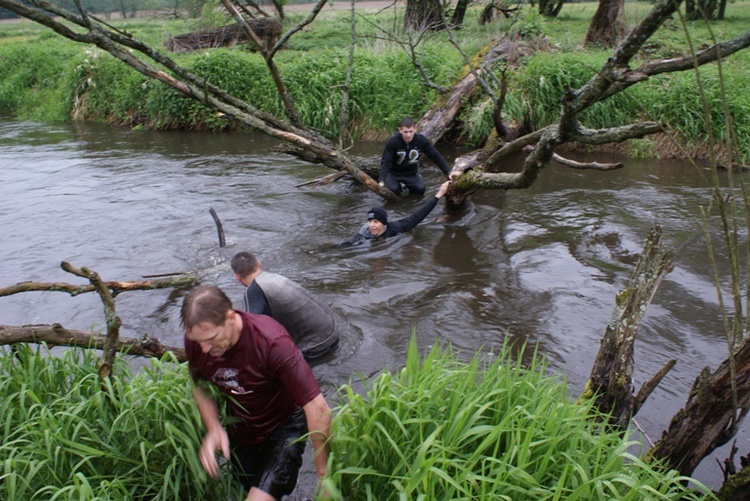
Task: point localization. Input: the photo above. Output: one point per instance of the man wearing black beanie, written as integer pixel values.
(377, 225)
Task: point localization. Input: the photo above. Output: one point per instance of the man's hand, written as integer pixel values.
(454, 174)
(215, 439)
(443, 189)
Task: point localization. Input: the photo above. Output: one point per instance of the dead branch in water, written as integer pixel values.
(57, 335)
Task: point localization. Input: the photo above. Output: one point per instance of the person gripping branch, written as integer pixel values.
(272, 394)
(378, 226)
(401, 156)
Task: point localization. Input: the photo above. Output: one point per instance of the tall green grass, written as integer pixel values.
(64, 437)
(36, 80)
(445, 429)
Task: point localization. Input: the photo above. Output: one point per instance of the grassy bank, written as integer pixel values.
(440, 428)
(64, 437)
(445, 429)
(46, 78)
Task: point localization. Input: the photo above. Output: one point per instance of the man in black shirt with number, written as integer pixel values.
(400, 161)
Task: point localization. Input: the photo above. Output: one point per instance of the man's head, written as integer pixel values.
(377, 219)
(245, 266)
(407, 128)
(209, 320)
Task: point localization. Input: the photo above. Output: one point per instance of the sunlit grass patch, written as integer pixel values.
(446, 429)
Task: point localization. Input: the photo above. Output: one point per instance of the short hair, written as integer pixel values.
(206, 303)
(244, 263)
(407, 122)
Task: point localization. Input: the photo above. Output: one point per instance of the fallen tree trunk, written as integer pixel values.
(441, 115)
(57, 335)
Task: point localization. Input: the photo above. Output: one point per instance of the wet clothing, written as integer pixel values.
(395, 227)
(400, 163)
(311, 323)
(272, 466)
(263, 374)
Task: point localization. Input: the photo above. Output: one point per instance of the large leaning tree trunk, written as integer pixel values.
(607, 27)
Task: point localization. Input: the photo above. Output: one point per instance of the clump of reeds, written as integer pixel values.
(446, 429)
(64, 436)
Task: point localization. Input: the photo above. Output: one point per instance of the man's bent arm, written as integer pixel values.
(216, 437)
(318, 416)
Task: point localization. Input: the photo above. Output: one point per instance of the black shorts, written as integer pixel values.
(273, 465)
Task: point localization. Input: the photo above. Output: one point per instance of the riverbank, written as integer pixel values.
(57, 80)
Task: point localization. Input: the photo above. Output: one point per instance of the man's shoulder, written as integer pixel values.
(266, 279)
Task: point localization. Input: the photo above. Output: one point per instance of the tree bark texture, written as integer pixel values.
(607, 27)
(550, 8)
(709, 418)
(424, 15)
(442, 114)
(611, 379)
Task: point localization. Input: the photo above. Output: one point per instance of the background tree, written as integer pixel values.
(459, 12)
(608, 25)
(424, 14)
(550, 8)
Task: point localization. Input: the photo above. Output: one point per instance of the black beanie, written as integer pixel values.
(378, 213)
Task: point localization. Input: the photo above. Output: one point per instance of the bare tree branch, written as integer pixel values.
(197, 88)
(309, 19)
(585, 165)
(286, 97)
(708, 55)
(650, 385)
(115, 287)
(611, 379)
(109, 348)
(57, 335)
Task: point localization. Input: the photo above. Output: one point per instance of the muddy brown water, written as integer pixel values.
(541, 265)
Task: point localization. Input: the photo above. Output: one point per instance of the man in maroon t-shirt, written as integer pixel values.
(271, 390)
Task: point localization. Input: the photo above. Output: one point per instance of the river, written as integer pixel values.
(541, 265)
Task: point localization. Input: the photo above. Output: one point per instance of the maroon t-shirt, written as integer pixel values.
(264, 375)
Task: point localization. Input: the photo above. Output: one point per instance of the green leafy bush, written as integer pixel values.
(446, 429)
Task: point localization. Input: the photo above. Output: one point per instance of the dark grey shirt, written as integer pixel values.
(310, 323)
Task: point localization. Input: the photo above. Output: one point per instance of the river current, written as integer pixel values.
(541, 265)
